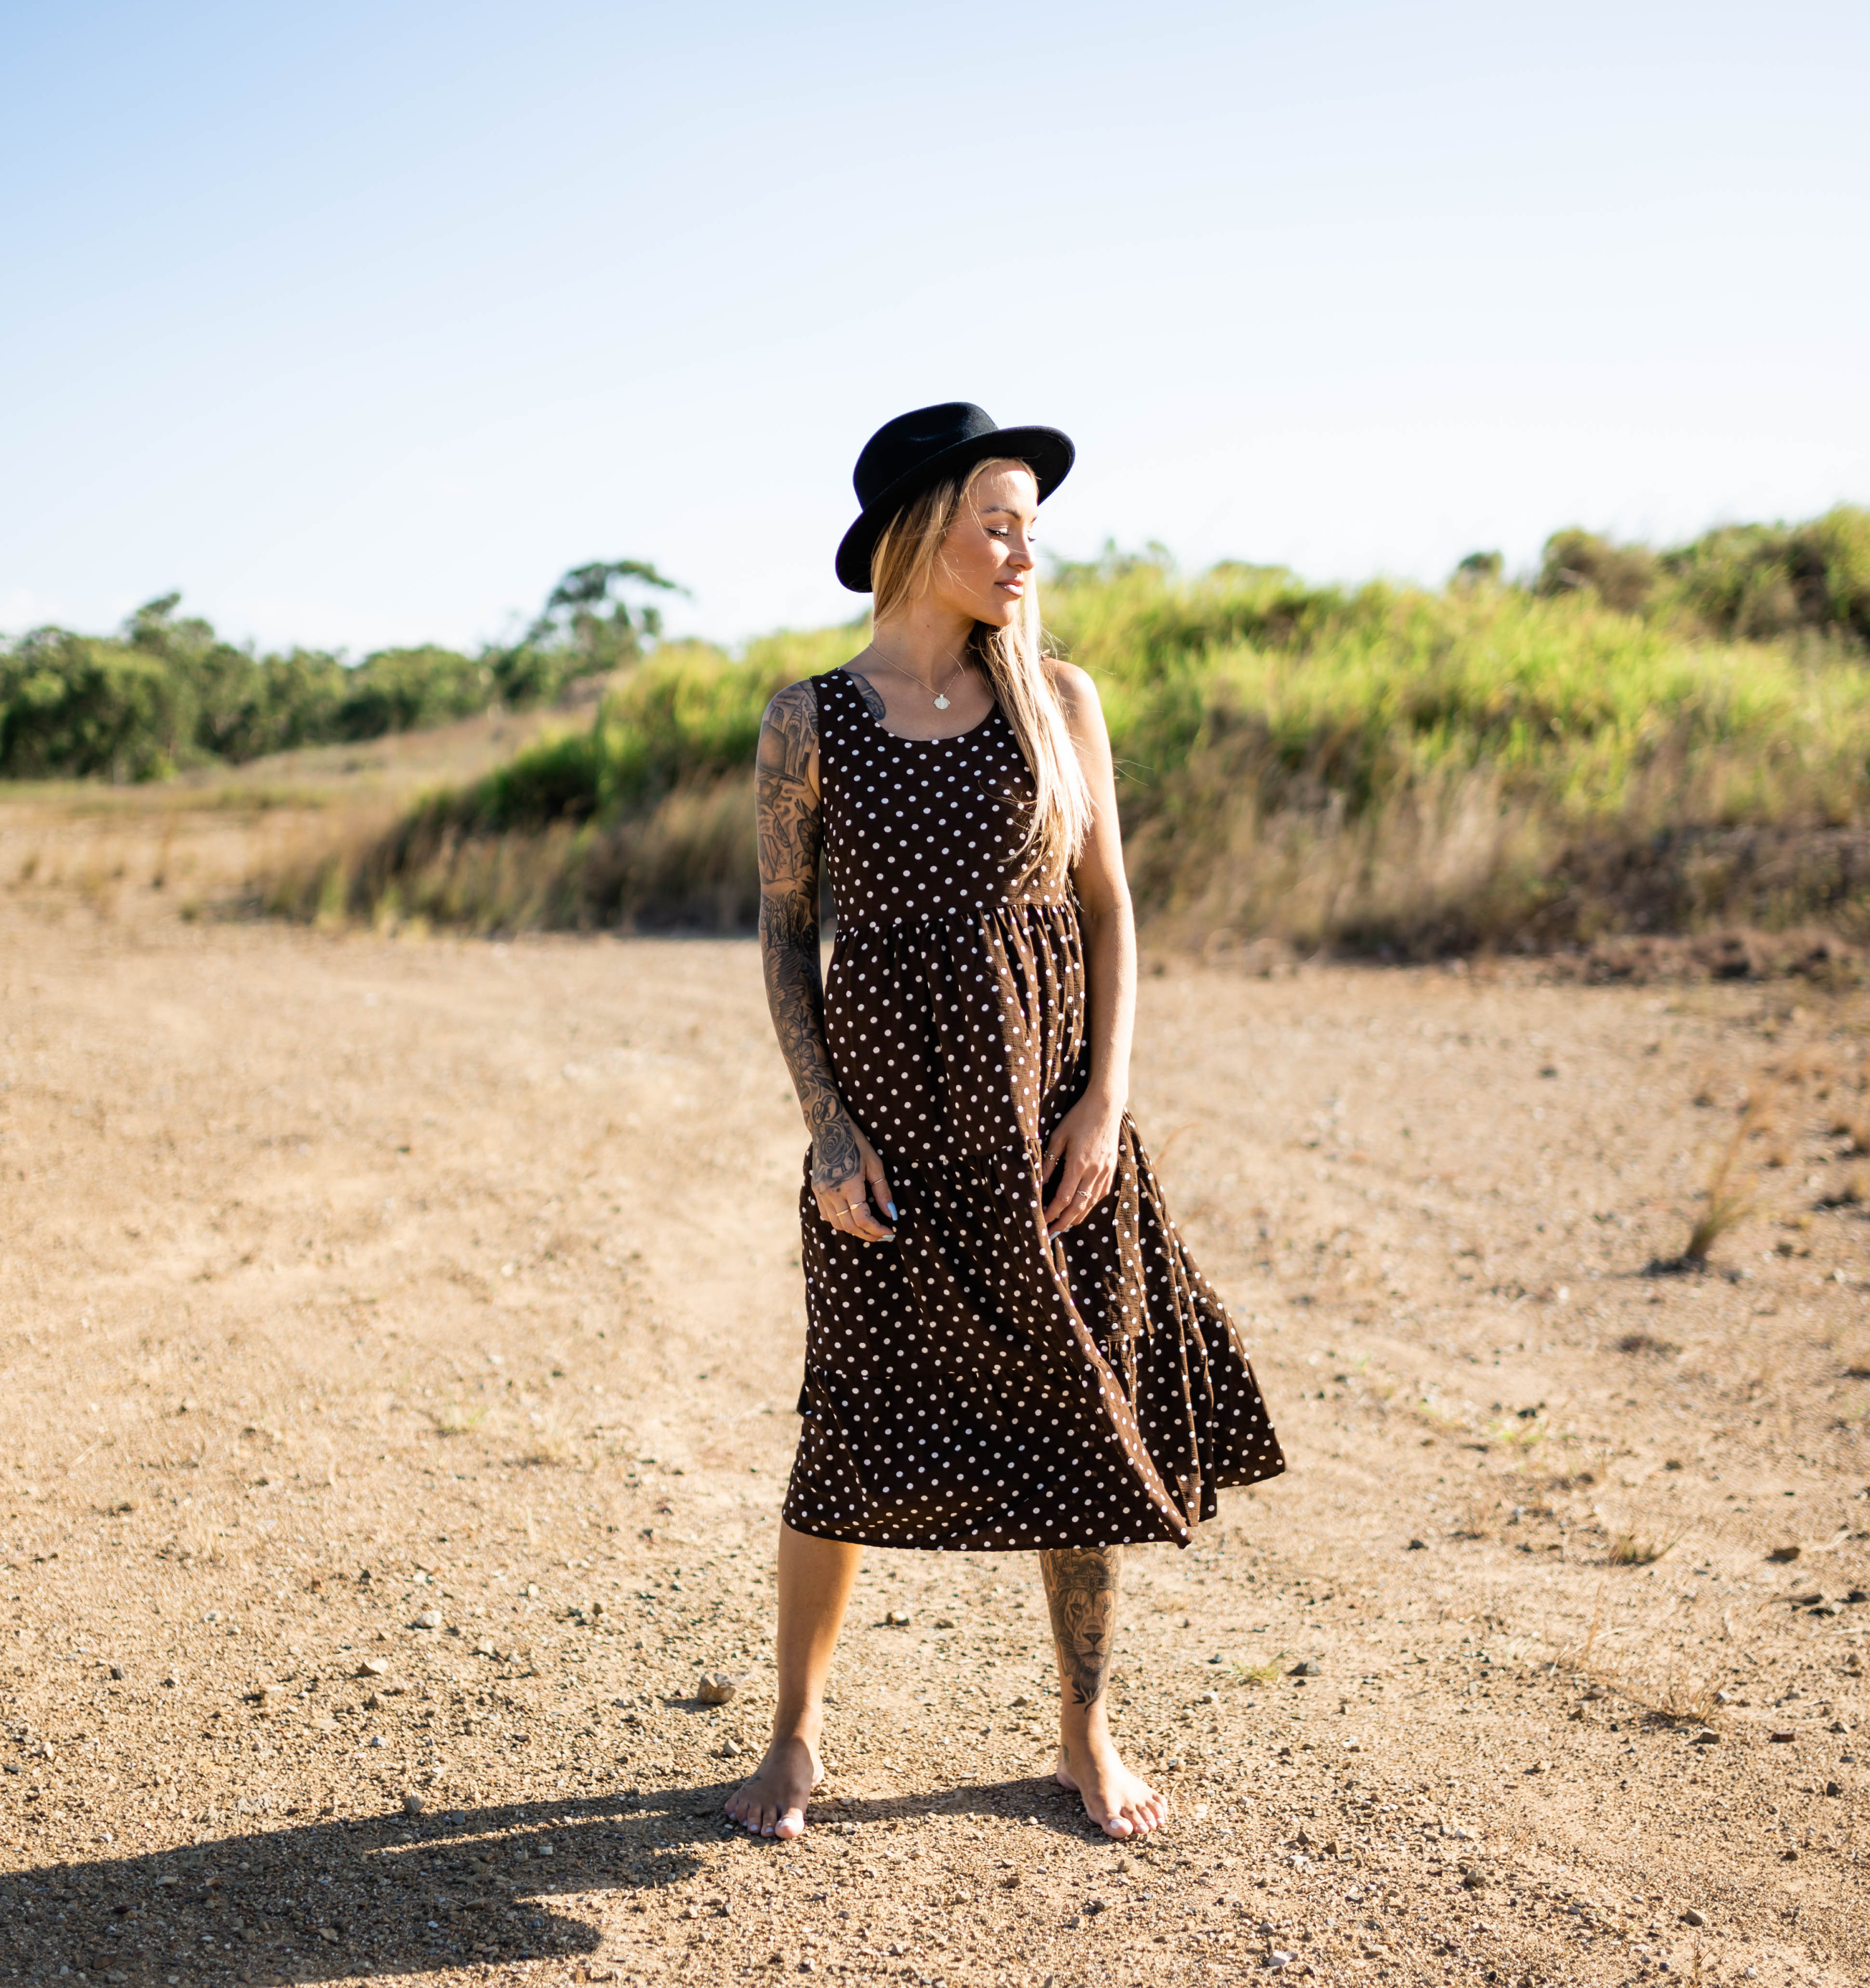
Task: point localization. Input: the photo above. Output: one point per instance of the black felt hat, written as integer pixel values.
(905, 456)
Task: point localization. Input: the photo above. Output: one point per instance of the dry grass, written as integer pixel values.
(1634, 1549)
(1855, 1131)
(688, 862)
(457, 1419)
(1645, 1342)
(1256, 1674)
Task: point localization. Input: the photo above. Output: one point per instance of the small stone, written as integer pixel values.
(377, 1739)
(485, 1648)
(172, 1678)
(1783, 1555)
(1096, 1906)
(1417, 1546)
(716, 1687)
(897, 1618)
(1834, 1788)
(943, 1622)
(412, 1805)
(118, 1671)
(1311, 1666)
(430, 1618)
(324, 1723)
(373, 1667)
(1692, 1918)
(1782, 1739)
(1278, 1958)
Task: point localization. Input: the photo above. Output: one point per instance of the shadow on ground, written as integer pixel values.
(340, 1899)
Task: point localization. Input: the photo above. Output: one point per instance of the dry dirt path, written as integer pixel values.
(349, 1285)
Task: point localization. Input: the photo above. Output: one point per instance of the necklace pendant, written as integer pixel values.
(941, 704)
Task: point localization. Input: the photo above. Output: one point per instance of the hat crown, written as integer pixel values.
(899, 447)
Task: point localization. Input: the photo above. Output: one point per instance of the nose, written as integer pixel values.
(1019, 552)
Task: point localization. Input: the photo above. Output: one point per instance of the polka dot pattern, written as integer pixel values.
(970, 1385)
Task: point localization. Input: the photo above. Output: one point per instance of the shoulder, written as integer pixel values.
(796, 706)
(1077, 692)
(789, 735)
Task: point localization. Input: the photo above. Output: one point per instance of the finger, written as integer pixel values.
(878, 1182)
(1096, 1184)
(863, 1217)
(1068, 1186)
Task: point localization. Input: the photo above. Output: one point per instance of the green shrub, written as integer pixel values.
(1760, 581)
(408, 689)
(1387, 768)
(1622, 576)
(168, 692)
(72, 705)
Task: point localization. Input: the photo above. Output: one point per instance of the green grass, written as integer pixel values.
(1396, 770)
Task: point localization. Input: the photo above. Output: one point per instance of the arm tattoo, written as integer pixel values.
(1081, 1589)
(872, 701)
(786, 804)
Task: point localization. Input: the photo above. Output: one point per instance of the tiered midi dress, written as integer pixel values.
(969, 1384)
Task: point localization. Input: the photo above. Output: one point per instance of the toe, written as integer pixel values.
(791, 1824)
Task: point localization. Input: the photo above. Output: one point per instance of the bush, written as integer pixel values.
(1386, 768)
(1622, 576)
(1758, 581)
(408, 689)
(168, 692)
(72, 705)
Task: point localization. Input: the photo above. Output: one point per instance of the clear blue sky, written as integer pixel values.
(359, 323)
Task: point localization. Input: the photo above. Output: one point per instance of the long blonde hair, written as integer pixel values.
(1017, 659)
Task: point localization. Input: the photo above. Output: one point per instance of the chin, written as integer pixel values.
(999, 612)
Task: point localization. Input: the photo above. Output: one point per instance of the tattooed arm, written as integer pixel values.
(786, 802)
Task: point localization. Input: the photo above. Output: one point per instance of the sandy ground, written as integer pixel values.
(399, 1339)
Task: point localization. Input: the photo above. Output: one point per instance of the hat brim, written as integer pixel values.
(1045, 451)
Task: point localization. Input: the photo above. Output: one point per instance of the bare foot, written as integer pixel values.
(1121, 1803)
(771, 1800)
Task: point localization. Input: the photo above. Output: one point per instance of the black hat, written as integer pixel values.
(905, 456)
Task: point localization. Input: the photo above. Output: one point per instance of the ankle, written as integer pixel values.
(1085, 1729)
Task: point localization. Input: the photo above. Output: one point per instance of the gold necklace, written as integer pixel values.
(939, 696)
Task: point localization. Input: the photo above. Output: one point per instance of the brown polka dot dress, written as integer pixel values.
(969, 1385)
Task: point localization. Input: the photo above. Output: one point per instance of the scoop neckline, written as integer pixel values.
(903, 738)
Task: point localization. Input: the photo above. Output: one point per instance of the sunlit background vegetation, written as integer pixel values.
(1628, 741)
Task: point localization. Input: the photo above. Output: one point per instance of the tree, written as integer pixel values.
(588, 625)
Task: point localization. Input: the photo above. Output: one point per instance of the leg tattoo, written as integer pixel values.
(1081, 1589)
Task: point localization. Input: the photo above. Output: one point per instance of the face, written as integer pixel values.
(987, 559)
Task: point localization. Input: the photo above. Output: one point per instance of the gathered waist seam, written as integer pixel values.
(948, 917)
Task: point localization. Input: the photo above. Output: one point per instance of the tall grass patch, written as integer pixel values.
(1388, 769)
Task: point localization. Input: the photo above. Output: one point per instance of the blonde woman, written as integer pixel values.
(1009, 1350)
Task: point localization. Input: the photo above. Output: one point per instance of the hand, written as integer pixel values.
(1085, 1142)
(848, 1181)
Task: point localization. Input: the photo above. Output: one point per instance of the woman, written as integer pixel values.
(1008, 1348)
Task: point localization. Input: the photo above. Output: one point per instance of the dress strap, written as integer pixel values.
(833, 693)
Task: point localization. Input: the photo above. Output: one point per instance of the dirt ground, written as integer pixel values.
(399, 1337)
